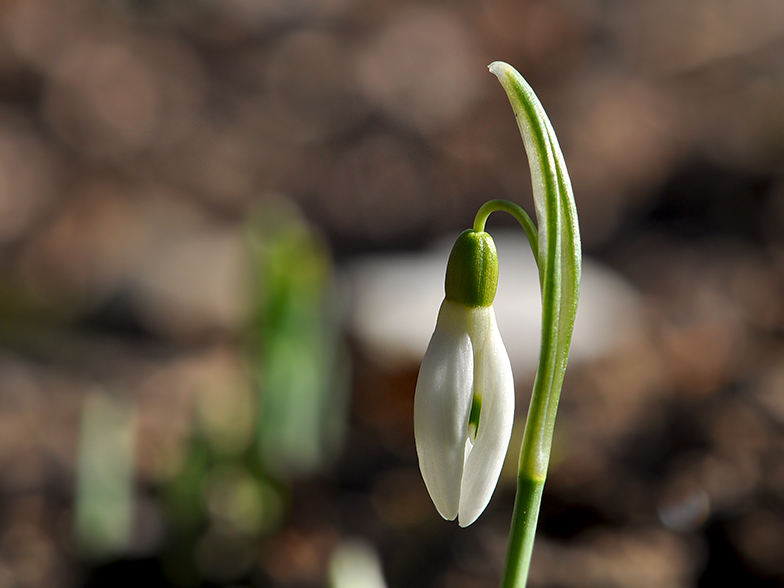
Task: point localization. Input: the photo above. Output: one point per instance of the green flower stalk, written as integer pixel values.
(451, 410)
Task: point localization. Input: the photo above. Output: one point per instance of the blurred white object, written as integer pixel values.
(355, 564)
(396, 300)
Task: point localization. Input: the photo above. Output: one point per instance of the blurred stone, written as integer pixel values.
(396, 301)
(256, 14)
(699, 322)
(482, 157)
(299, 557)
(191, 283)
(757, 139)
(542, 33)
(760, 536)
(219, 163)
(29, 555)
(701, 356)
(646, 558)
(23, 419)
(39, 416)
(769, 391)
(374, 191)
(774, 474)
(104, 98)
(749, 138)
(40, 30)
(115, 99)
(753, 287)
(605, 410)
(30, 175)
(412, 68)
(729, 480)
(310, 94)
(683, 505)
(81, 256)
(739, 437)
(400, 498)
(738, 430)
(671, 36)
(183, 272)
(620, 137)
(90, 249)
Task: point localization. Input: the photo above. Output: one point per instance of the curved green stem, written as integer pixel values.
(516, 211)
(558, 257)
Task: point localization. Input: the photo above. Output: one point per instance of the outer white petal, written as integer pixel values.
(441, 406)
(493, 381)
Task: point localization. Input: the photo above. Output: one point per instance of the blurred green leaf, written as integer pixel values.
(298, 357)
(105, 476)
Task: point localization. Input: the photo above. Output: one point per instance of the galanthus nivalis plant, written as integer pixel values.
(464, 402)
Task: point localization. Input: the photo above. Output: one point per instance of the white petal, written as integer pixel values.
(493, 380)
(441, 407)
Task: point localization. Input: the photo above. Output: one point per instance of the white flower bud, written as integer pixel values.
(463, 411)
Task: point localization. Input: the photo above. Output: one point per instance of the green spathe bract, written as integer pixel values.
(472, 270)
(558, 256)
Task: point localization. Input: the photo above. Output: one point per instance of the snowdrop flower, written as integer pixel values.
(464, 402)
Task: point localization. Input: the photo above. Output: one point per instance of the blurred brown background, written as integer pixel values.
(192, 195)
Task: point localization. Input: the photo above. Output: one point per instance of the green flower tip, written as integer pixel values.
(472, 270)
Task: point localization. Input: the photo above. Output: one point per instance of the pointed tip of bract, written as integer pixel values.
(498, 67)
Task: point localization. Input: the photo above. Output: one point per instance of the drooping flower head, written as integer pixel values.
(464, 402)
